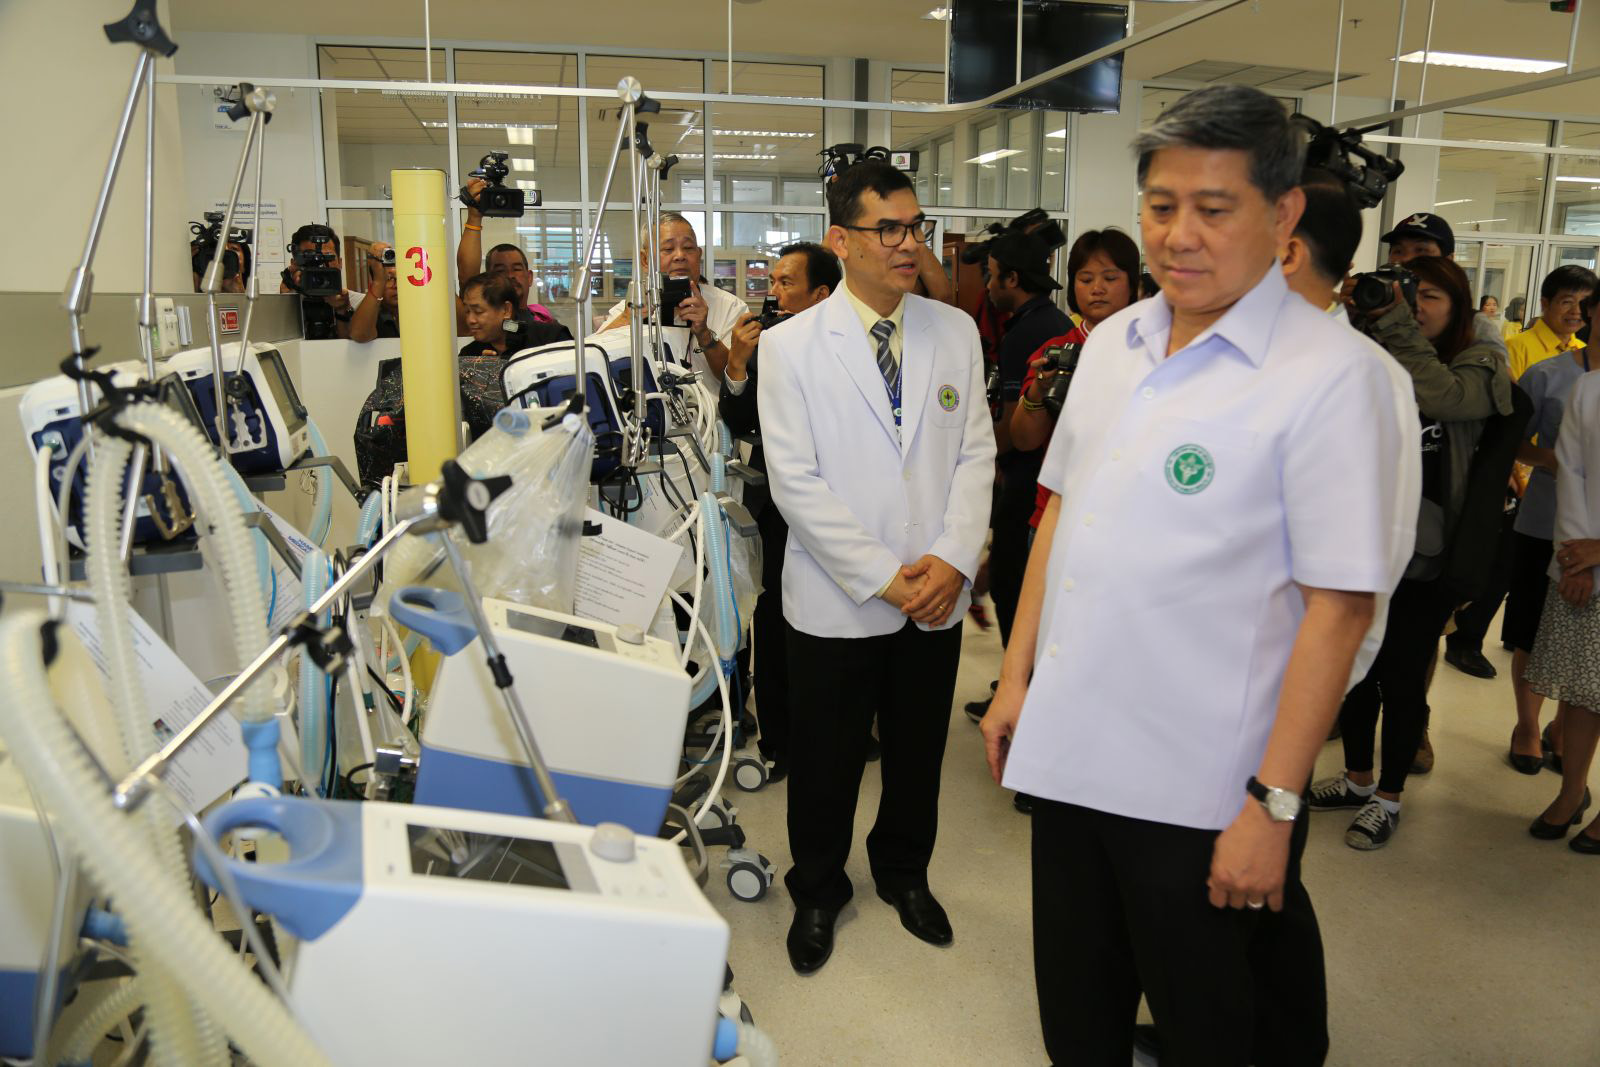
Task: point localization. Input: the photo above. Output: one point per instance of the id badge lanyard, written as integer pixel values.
(894, 396)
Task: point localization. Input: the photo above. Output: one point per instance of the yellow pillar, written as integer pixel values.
(427, 310)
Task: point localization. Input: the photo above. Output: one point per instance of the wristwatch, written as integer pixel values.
(1282, 805)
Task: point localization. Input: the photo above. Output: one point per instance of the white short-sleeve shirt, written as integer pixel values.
(1196, 491)
(723, 311)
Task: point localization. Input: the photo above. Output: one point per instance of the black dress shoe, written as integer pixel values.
(1469, 661)
(811, 939)
(1525, 764)
(1022, 802)
(1589, 846)
(779, 769)
(1549, 831)
(1550, 754)
(921, 914)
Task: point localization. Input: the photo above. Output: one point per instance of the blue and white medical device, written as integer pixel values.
(268, 428)
(608, 706)
(432, 935)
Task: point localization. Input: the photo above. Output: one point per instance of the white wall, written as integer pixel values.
(67, 88)
(211, 156)
(1101, 191)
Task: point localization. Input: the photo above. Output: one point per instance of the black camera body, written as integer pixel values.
(771, 315)
(991, 390)
(495, 201)
(207, 236)
(1063, 359)
(1330, 150)
(317, 278)
(1375, 289)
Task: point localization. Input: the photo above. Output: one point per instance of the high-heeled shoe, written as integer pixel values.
(1589, 846)
(1521, 763)
(1550, 754)
(1549, 831)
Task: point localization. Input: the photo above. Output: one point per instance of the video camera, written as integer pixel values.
(1037, 221)
(1375, 288)
(1330, 150)
(317, 276)
(1063, 359)
(495, 201)
(836, 159)
(388, 257)
(203, 245)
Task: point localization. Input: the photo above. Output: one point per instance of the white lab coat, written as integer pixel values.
(860, 499)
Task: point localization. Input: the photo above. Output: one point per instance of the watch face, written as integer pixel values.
(1282, 805)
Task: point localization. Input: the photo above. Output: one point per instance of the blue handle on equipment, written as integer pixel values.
(321, 881)
(440, 615)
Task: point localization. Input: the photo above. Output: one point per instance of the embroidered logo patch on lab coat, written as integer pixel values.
(1190, 469)
(949, 399)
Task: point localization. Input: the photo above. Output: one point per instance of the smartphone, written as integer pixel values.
(674, 291)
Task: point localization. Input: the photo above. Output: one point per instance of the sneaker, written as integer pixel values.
(977, 709)
(1332, 793)
(1423, 763)
(1372, 827)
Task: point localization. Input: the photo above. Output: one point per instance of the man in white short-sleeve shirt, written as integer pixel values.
(699, 332)
(1198, 589)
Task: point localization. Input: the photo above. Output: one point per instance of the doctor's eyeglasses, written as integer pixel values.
(893, 233)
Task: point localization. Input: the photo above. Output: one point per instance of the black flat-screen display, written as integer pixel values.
(983, 52)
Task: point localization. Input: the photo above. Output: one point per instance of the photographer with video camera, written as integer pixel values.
(1422, 314)
(485, 196)
(803, 277)
(378, 315)
(235, 257)
(316, 273)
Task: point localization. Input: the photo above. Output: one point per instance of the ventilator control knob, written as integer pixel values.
(612, 841)
(629, 634)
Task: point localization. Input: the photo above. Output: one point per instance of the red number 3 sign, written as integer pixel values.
(421, 273)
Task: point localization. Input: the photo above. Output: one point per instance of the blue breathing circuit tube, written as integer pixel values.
(313, 700)
(371, 518)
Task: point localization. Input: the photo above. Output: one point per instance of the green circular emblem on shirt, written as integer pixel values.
(1190, 469)
(949, 399)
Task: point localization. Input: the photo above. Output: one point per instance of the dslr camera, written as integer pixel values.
(1366, 178)
(1063, 359)
(1036, 221)
(770, 314)
(388, 256)
(495, 201)
(1375, 288)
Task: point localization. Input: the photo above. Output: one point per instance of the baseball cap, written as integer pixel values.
(1426, 226)
(1028, 256)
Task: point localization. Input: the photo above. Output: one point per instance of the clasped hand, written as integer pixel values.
(926, 591)
(1578, 558)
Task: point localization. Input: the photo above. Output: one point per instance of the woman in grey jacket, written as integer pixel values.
(1459, 382)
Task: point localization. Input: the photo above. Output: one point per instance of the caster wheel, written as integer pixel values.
(720, 816)
(747, 881)
(749, 774)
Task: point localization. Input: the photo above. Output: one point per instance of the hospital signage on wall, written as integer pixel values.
(228, 320)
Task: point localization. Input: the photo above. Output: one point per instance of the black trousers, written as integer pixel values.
(1120, 908)
(1472, 621)
(1008, 551)
(908, 680)
(771, 638)
(1397, 684)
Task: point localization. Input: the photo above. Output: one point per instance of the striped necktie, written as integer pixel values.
(888, 366)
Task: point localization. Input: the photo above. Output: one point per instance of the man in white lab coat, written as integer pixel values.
(880, 455)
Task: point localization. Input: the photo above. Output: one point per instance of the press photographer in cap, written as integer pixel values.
(1020, 286)
(316, 273)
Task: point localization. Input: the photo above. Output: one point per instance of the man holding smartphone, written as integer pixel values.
(703, 321)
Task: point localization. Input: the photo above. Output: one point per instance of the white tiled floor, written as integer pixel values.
(1463, 942)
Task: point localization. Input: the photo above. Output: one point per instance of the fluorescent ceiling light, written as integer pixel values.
(439, 124)
(1062, 132)
(726, 155)
(523, 183)
(1479, 222)
(1464, 59)
(938, 14)
(999, 153)
(524, 164)
(752, 133)
(1447, 203)
(1578, 178)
